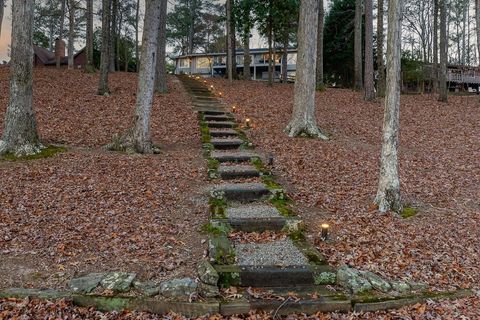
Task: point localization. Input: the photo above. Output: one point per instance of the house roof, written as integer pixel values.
(239, 51)
(48, 57)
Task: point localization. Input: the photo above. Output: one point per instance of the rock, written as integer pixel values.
(400, 286)
(118, 281)
(325, 278)
(147, 288)
(352, 280)
(207, 273)
(208, 291)
(417, 286)
(377, 282)
(178, 288)
(87, 283)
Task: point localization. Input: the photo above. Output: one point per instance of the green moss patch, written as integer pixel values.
(218, 208)
(408, 212)
(47, 152)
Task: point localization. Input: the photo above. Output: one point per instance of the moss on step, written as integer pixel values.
(408, 212)
(46, 152)
(217, 228)
(218, 208)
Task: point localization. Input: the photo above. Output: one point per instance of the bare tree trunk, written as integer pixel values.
(270, 45)
(117, 39)
(477, 21)
(89, 47)
(105, 55)
(247, 59)
(230, 63)
(285, 58)
(71, 32)
(358, 85)
(191, 28)
(2, 6)
(388, 193)
(137, 18)
(369, 82)
(138, 138)
(303, 122)
(443, 94)
(161, 77)
(319, 68)
(380, 62)
(435, 47)
(113, 35)
(62, 25)
(20, 136)
(232, 39)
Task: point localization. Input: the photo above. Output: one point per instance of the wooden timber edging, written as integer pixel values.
(230, 307)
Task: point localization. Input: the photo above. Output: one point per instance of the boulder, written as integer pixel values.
(352, 280)
(377, 282)
(178, 288)
(86, 284)
(207, 273)
(208, 291)
(118, 281)
(147, 288)
(400, 286)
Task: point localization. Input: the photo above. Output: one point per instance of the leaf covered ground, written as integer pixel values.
(89, 210)
(336, 181)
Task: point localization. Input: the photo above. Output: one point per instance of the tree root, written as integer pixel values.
(126, 142)
(23, 150)
(308, 129)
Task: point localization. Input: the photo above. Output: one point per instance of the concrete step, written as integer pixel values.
(233, 156)
(238, 171)
(256, 218)
(242, 191)
(226, 143)
(223, 133)
(221, 124)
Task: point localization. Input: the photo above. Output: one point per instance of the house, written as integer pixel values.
(213, 64)
(47, 58)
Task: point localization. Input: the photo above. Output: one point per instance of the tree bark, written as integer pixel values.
(270, 45)
(303, 122)
(89, 46)
(230, 63)
(71, 32)
(435, 47)
(62, 24)
(161, 77)
(20, 136)
(388, 194)
(247, 59)
(285, 58)
(191, 27)
(443, 90)
(319, 68)
(137, 53)
(477, 21)
(358, 85)
(2, 7)
(138, 138)
(380, 62)
(113, 35)
(105, 55)
(369, 82)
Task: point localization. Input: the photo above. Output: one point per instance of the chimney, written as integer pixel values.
(59, 48)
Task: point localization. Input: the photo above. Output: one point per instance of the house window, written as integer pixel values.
(220, 61)
(184, 63)
(240, 60)
(203, 63)
(292, 58)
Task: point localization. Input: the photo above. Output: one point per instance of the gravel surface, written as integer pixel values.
(282, 253)
(253, 211)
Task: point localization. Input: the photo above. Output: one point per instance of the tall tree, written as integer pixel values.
(368, 78)
(71, 32)
(2, 7)
(161, 74)
(244, 24)
(388, 193)
(303, 121)
(137, 31)
(443, 90)
(62, 26)
(380, 62)
(20, 132)
(89, 46)
(358, 85)
(477, 22)
(113, 35)
(230, 34)
(319, 68)
(138, 138)
(105, 51)
(435, 48)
